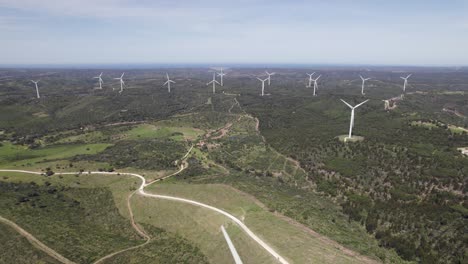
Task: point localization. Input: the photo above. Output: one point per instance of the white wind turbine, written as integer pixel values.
(363, 82)
(406, 81)
(310, 79)
(37, 89)
(214, 82)
(315, 84)
(100, 80)
(221, 74)
(351, 124)
(263, 85)
(122, 83)
(269, 77)
(168, 82)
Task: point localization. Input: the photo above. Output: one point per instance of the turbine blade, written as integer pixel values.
(409, 76)
(361, 103)
(346, 103)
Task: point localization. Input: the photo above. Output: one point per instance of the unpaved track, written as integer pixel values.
(142, 192)
(35, 242)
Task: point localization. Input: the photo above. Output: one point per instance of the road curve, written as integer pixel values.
(142, 192)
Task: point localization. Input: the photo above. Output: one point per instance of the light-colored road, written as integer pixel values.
(35, 242)
(142, 192)
(231, 246)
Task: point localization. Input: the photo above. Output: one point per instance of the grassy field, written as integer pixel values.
(200, 226)
(160, 130)
(103, 229)
(17, 249)
(81, 224)
(291, 241)
(20, 156)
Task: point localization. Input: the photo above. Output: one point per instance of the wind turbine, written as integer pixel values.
(100, 80)
(269, 77)
(351, 124)
(122, 83)
(169, 81)
(263, 85)
(406, 81)
(37, 89)
(310, 79)
(315, 84)
(221, 74)
(363, 82)
(214, 82)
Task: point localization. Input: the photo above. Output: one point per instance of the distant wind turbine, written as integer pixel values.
(168, 82)
(310, 79)
(269, 77)
(122, 83)
(214, 82)
(351, 124)
(363, 82)
(100, 80)
(315, 84)
(406, 82)
(221, 74)
(37, 89)
(263, 85)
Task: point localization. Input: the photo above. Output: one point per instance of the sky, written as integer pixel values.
(379, 32)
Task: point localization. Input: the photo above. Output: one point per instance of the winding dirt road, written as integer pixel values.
(142, 192)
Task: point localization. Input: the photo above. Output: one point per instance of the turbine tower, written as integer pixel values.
(351, 124)
(221, 74)
(310, 79)
(263, 85)
(214, 82)
(169, 81)
(363, 82)
(37, 89)
(269, 77)
(406, 82)
(100, 80)
(315, 84)
(122, 83)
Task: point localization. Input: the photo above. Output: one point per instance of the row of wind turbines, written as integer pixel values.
(221, 74)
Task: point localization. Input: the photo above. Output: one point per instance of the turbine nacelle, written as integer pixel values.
(168, 82)
(214, 82)
(122, 83)
(351, 124)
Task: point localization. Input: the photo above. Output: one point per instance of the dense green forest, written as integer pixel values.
(405, 183)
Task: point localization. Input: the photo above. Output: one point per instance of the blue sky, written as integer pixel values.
(412, 32)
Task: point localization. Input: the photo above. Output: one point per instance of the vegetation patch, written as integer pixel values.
(80, 224)
(154, 154)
